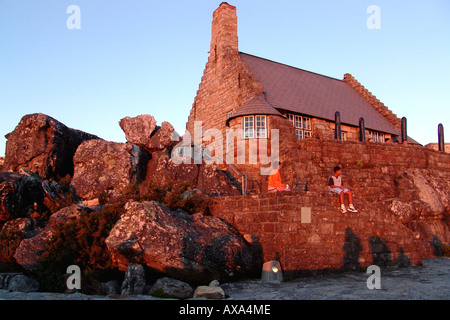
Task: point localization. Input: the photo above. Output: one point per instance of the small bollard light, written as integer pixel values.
(274, 267)
(271, 272)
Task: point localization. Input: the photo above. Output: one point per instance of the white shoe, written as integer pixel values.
(343, 210)
(351, 208)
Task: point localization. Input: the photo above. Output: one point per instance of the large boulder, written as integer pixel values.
(23, 193)
(143, 132)
(165, 137)
(194, 249)
(30, 250)
(162, 172)
(103, 166)
(138, 130)
(43, 145)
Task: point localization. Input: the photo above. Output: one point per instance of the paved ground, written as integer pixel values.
(428, 282)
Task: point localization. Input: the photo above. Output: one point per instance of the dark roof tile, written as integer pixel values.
(256, 105)
(312, 94)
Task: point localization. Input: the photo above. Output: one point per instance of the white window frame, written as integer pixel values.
(302, 125)
(249, 127)
(298, 124)
(255, 127)
(291, 118)
(377, 136)
(261, 126)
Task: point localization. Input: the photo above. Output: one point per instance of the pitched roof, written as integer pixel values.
(312, 94)
(256, 105)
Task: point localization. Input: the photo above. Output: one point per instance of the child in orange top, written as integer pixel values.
(275, 183)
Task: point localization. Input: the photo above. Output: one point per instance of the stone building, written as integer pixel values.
(245, 102)
(251, 96)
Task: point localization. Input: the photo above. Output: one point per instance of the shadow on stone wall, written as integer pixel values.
(381, 256)
(352, 247)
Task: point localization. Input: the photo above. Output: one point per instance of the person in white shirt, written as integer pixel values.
(337, 186)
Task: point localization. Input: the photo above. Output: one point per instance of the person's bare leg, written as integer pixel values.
(350, 197)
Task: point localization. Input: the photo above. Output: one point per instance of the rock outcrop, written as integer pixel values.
(194, 248)
(44, 146)
(107, 167)
(23, 193)
(164, 137)
(422, 203)
(143, 132)
(162, 171)
(30, 250)
(138, 130)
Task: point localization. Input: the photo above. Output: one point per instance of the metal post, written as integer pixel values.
(362, 130)
(441, 137)
(404, 130)
(337, 130)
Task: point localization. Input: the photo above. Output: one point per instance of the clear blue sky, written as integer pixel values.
(147, 57)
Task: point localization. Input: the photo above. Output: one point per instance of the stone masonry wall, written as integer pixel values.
(402, 193)
(308, 234)
(325, 130)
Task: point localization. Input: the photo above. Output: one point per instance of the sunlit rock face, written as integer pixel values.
(43, 145)
(194, 248)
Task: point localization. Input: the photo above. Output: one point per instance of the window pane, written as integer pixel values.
(299, 134)
(291, 118)
(377, 136)
(307, 123)
(260, 126)
(248, 127)
(298, 122)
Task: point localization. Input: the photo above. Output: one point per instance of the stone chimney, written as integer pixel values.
(224, 37)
